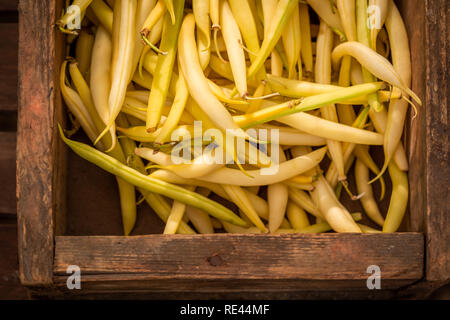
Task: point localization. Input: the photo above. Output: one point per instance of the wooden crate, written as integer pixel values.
(68, 209)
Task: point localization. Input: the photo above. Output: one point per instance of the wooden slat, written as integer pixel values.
(416, 127)
(8, 172)
(311, 261)
(437, 178)
(429, 173)
(8, 66)
(37, 141)
(10, 287)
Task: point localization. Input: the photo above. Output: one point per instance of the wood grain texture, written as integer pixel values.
(8, 66)
(308, 259)
(438, 174)
(428, 133)
(416, 128)
(8, 172)
(36, 141)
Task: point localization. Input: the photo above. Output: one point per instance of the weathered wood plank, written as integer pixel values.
(38, 167)
(10, 287)
(429, 174)
(438, 174)
(8, 66)
(416, 130)
(244, 257)
(8, 172)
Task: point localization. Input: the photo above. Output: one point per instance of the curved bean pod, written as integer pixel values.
(401, 58)
(333, 212)
(286, 170)
(399, 198)
(373, 62)
(368, 202)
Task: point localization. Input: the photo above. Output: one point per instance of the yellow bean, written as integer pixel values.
(401, 59)
(199, 87)
(164, 67)
(399, 199)
(298, 89)
(142, 11)
(365, 189)
(239, 197)
(155, 16)
(347, 12)
(176, 111)
(381, 8)
(363, 36)
(306, 44)
(277, 197)
(100, 75)
(200, 220)
(234, 45)
(242, 12)
(176, 215)
(297, 216)
(103, 13)
(83, 52)
(76, 106)
(280, 18)
(333, 212)
(291, 39)
(323, 9)
(71, 16)
(323, 75)
(286, 170)
(374, 63)
(304, 201)
(203, 22)
(123, 46)
(379, 120)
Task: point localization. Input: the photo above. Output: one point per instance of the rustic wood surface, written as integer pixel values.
(437, 221)
(304, 259)
(416, 134)
(428, 133)
(36, 147)
(237, 267)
